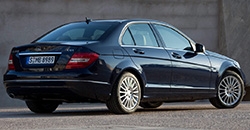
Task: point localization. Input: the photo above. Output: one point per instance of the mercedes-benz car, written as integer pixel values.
(123, 63)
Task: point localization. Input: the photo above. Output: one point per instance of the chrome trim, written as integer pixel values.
(55, 80)
(177, 87)
(40, 53)
(158, 86)
(190, 87)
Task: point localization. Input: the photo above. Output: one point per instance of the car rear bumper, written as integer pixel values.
(65, 90)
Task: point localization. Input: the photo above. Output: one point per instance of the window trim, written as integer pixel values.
(126, 27)
(130, 36)
(191, 42)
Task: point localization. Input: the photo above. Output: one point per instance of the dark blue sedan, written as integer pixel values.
(123, 63)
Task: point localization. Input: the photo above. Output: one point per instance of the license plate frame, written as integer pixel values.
(40, 60)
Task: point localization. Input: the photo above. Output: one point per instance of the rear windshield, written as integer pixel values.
(81, 31)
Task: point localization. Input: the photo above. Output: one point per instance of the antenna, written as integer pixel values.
(88, 20)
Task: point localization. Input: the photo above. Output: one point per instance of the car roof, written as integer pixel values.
(124, 20)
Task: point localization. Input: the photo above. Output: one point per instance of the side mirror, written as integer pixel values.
(199, 48)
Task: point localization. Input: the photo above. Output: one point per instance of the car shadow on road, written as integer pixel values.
(98, 111)
(172, 109)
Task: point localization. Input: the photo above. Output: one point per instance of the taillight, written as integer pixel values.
(81, 60)
(10, 63)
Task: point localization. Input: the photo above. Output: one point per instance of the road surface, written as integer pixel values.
(171, 116)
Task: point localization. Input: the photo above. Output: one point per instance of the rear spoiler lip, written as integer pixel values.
(73, 43)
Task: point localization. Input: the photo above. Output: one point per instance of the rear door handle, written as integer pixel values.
(175, 55)
(139, 51)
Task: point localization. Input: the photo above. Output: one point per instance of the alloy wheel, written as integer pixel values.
(229, 90)
(128, 93)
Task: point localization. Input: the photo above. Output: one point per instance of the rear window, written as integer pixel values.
(82, 31)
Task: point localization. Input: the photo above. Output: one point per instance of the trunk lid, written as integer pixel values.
(42, 56)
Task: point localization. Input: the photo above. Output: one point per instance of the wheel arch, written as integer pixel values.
(228, 66)
(237, 71)
(234, 69)
(128, 66)
(140, 77)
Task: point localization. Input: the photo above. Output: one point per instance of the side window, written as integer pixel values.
(127, 39)
(143, 35)
(173, 39)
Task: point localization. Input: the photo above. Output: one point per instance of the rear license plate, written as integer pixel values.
(40, 60)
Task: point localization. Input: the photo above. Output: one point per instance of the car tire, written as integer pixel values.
(126, 95)
(230, 91)
(42, 106)
(151, 104)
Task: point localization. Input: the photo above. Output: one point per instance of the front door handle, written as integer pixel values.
(175, 55)
(139, 51)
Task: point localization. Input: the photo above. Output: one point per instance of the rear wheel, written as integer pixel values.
(150, 104)
(230, 91)
(126, 95)
(42, 106)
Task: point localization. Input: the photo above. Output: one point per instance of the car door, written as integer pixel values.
(190, 70)
(142, 46)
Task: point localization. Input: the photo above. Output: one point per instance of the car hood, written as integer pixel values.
(217, 55)
(214, 54)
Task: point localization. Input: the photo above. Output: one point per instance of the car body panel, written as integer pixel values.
(156, 66)
(192, 70)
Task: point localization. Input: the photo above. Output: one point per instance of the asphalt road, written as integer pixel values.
(171, 116)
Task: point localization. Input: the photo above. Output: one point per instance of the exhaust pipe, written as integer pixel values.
(12, 95)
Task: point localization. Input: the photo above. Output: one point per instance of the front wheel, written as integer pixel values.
(42, 106)
(230, 91)
(126, 95)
